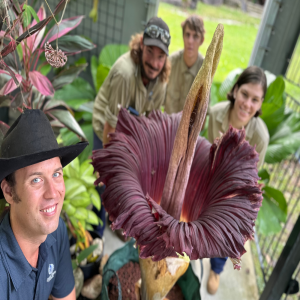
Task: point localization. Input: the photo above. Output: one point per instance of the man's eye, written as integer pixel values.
(56, 174)
(36, 180)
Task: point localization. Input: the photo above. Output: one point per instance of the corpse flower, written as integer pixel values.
(173, 191)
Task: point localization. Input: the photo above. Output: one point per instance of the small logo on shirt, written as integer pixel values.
(51, 272)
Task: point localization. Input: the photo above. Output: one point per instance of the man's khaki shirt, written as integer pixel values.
(256, 130)
(180, 81)
(124, 86)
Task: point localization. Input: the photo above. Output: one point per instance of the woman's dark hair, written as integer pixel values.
(252, 74)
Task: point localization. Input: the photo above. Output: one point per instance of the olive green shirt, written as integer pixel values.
(124, 87)
(256, 130)
(180, 81)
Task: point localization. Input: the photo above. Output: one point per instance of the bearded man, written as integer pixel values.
(136, 80)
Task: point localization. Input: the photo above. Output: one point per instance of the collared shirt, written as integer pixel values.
(180, 81)
(124, 86)
(256, 130)
(53, 275)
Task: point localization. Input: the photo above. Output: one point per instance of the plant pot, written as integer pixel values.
(91, 269)
(188, 282)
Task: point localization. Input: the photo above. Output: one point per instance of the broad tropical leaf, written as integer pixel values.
(273, 211)
(102, 72)
(65, 117)
(73, 44)
(110, 53)
(67, 76)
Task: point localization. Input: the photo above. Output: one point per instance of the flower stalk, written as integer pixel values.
(193, 116)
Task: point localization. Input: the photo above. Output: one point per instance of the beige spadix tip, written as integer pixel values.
(159, 277)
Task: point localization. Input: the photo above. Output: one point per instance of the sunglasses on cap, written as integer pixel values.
(154, 32)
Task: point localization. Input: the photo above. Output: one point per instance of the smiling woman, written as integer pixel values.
(241, 111)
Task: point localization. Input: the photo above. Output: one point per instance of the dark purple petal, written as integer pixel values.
(222, 196)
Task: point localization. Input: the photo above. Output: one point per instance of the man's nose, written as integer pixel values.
(50, 190)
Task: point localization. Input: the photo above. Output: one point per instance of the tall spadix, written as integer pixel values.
(193, 117)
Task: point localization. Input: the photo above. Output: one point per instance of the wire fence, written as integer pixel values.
(284, 176)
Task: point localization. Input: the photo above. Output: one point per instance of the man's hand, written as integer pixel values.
(71, 296)
(107, 129)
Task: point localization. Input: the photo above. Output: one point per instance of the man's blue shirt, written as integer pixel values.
(53, 275)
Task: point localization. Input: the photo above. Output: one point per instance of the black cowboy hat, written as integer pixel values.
(31, 140)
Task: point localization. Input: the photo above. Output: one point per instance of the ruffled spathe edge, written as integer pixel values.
(222, 197)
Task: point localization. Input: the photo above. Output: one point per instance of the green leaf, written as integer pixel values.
(74, 222)
(69, 208)
(89, 227)
(73, 44)
(276, 152)
(88, 180)
(80, 61)
(81, 213)
(86, 168)
(74, 264)
(33, 13)
(214, 94)
(89, 133)
(274, 98)
(264, 175)
(110, 53)
(68, 120)
(92, 218)
(45, 69)
(67, 76)
(74, 187)
(278, 199)
(94, 66)
(85, 253)
(272, 212)
(78, 89)
(81, 200)
(20, 52)
(88, 108)
(68, 137)
(102, 72)
(95, 198)
(267, 221)
(26, 16)
(76, 103)
(74, 166)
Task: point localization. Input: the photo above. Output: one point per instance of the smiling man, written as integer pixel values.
(185, 64)
(136, 80)
(34, 247)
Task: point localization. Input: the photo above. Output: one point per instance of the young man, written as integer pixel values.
(137, 80)
(185, 64)
(34, 246)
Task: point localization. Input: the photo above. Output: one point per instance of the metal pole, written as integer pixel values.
(285, 267)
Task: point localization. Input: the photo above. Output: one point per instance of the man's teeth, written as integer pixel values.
(48, 210)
